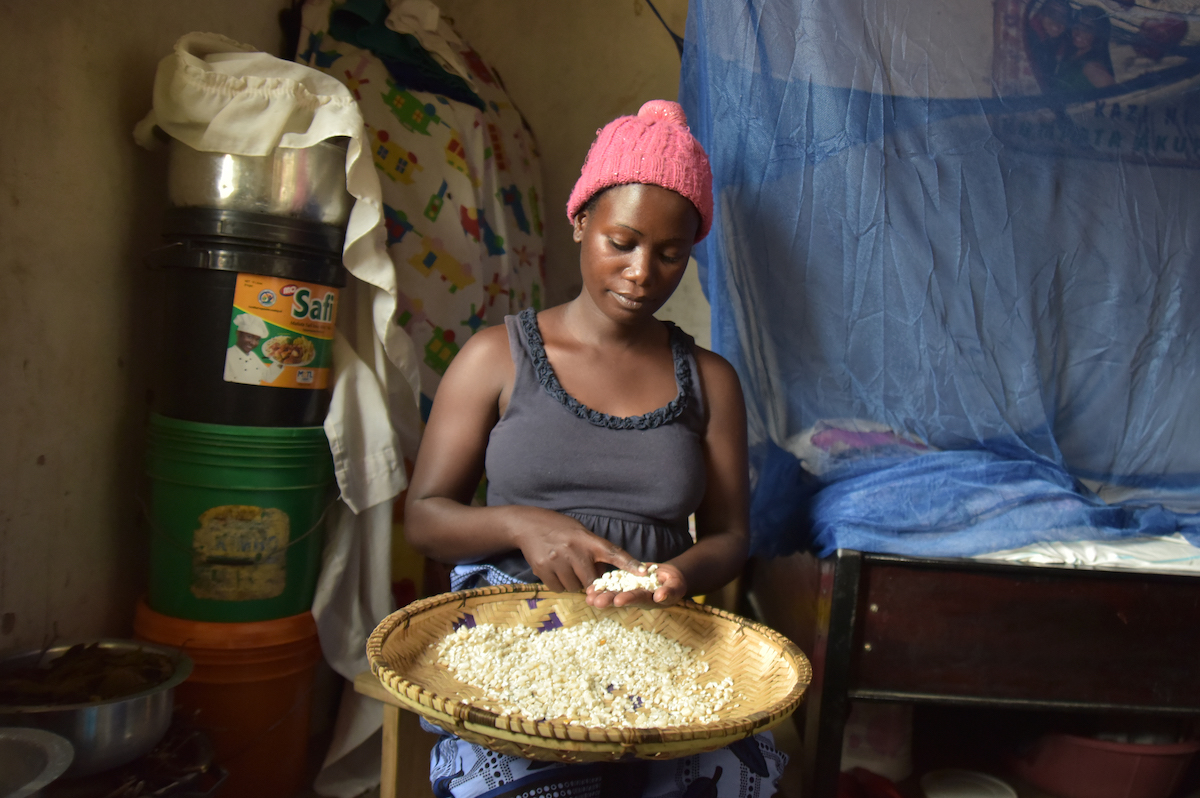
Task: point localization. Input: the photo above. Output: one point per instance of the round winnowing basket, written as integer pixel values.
(769, 672)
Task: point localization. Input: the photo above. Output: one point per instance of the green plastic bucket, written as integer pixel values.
(237, 519)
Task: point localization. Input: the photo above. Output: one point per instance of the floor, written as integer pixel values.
(985, 740)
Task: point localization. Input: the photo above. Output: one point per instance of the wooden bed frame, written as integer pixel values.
(971, 633)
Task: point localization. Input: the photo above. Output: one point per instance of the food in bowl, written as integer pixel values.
(770, 674)
(290, 351)
(85, 673)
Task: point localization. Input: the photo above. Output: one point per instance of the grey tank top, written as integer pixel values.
(632, 480)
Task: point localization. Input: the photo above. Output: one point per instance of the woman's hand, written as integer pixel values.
(672, 587)
(562, 552)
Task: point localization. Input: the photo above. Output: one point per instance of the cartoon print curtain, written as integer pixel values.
(460, 170)
(955, 264)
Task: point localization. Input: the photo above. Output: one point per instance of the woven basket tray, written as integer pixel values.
(768, 670)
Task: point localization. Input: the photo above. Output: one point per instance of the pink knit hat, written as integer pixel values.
(653, 147)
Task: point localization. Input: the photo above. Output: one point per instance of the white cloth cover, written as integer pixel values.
(217, 95)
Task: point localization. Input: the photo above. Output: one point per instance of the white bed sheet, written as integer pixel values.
(1169, 554)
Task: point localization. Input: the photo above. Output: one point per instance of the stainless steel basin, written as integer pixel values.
(301, 183)
(104, 734)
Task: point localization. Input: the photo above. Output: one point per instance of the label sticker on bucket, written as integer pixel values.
(239, 553)
(281, 333)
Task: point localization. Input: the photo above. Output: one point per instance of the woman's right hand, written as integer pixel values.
(562, 552)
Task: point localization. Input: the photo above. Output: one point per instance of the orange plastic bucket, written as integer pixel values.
(250, 690)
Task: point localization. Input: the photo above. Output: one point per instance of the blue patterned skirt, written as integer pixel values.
(750, 768)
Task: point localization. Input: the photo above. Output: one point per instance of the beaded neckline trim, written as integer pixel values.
(549, 381)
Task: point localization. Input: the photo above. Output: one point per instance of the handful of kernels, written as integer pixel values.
(596, 673)
(618, 581)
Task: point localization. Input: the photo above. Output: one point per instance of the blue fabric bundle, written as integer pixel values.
(941, 504)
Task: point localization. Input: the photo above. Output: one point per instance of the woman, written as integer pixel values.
(1046, 28)
(1086, 63)
(601, 429)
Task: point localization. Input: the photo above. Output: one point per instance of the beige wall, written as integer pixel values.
(570, 67)
(80, 205)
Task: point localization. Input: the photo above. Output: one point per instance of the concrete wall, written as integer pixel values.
(81, 204)
(571, 67)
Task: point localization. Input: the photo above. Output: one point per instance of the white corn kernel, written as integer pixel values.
(622, 581)
(636, 679)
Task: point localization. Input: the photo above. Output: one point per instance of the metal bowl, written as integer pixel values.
(30, 759)
(105, 734)
(307, 183)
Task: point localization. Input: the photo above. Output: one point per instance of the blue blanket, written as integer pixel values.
(940, 504)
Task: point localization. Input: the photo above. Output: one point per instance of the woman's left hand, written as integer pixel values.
(672, 587)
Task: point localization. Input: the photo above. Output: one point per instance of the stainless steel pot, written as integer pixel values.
(105, 734)
(302, 183)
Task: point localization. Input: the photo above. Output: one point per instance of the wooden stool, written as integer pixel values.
(406, 746)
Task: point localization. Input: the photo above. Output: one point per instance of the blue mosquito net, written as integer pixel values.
(955, 265)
